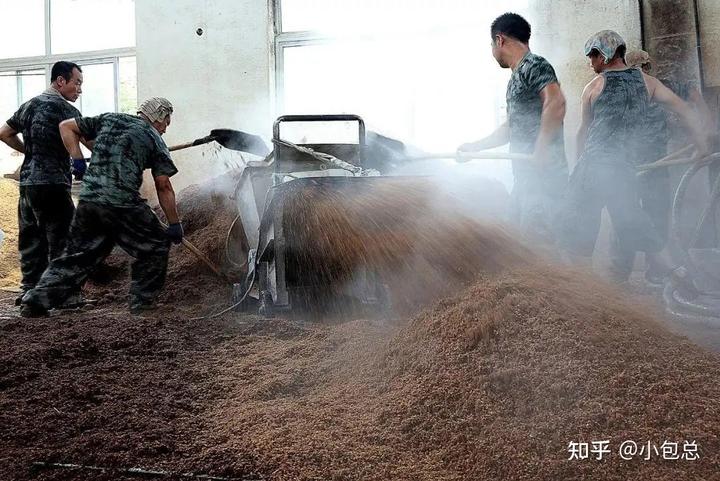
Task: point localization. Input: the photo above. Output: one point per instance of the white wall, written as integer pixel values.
(560, 29)
(220, 79)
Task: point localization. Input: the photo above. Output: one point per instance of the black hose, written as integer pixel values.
(698, 314)
(250, 280)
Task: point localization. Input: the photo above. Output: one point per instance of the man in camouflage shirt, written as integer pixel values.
(536, 109)
(45, 208)
(111, 212)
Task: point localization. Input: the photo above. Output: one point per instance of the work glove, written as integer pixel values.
(79, 166)
(175, 233)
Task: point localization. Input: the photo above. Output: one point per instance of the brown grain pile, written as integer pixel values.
(406, 229)
(491, 384)
(9, 256)
(505, 362)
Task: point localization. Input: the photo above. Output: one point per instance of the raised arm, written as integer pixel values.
(660, 93)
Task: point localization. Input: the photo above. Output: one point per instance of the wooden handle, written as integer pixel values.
(201, 141)
(467, 156)
(202, 257)
(181, 146)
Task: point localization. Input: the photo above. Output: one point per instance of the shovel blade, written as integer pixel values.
(242, 141)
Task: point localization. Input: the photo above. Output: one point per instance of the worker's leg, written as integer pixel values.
(656, 199)
(633, 226)
(54, 209)
(621, 260)
(141, 235)
(90, 241)
(580, 214)
(32, 242)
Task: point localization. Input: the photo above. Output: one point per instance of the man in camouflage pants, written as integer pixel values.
(45, 208)
(111, 211)
(536, 109)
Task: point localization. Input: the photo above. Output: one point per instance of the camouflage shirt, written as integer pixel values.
(524, 107)
(46, 160)
(125, 145)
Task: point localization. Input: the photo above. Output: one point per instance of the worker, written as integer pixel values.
(654, 185)
(45, 208)
(610, 137)
(536, 109)
(110, 210)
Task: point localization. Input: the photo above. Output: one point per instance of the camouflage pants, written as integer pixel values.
(44, 216)
(594, 186)
(95, 230)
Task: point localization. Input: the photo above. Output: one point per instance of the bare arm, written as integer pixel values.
(660, 93)
(9, 136)
(698, 102)
(553, 113)
(89, 144)
(501, 136)
(70, 133)
(166, 197)
(585, 116)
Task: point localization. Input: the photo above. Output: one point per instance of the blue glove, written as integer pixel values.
(79, 166)
(175, 233)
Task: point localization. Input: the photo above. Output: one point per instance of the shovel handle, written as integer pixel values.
(191, 247)
(195, 142)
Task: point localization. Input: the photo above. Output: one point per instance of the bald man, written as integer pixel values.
(110, 210)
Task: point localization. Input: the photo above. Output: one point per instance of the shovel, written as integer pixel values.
(230, 139)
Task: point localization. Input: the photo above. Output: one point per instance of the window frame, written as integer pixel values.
(45, 62)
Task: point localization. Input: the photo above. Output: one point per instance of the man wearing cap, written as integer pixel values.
(654, 185)
(536, 109)
(611, 135)
(45, 208)
(110, 210)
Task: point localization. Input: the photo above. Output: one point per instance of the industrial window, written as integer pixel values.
(97, 35)
(418, 70)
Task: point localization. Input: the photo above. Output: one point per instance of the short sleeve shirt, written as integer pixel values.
(524, 107)
(125, 145)
(46, 160)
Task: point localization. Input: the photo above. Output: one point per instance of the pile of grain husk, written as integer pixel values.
(9, 256)
(406, 229)
(493, 383)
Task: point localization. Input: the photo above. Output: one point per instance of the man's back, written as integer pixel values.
(619, 115)
(525, 106)
(125, 145)
(46, 160)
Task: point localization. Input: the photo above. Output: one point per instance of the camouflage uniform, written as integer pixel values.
(111, 212)
(605, 175)
(537, 191)
(45, 208)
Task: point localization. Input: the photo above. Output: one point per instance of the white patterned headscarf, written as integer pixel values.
(606, 42)
(156, 109)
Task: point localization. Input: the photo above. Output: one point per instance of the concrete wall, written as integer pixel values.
(560, 29)
(220, 79)
(709, 16)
